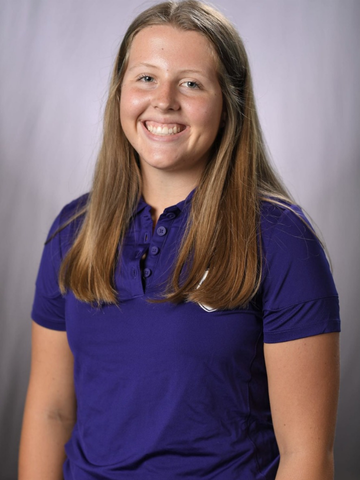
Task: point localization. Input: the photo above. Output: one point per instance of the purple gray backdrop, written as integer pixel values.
(55, 64)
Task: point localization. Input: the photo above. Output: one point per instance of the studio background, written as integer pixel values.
(56, 58)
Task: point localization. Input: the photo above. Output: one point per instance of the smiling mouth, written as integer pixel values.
(164, 130)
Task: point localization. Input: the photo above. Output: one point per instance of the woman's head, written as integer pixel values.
(230, 58)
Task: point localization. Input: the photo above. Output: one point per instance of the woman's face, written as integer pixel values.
(171, 101)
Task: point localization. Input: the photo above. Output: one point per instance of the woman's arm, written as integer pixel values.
(50, 407)
(303, 386)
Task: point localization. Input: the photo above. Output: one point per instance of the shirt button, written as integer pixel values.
(154, 250)
(147, 272)
(161, 231)
(171, 215)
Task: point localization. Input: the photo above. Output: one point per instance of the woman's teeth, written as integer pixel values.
(162, 131)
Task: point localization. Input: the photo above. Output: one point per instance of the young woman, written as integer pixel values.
(185, 318)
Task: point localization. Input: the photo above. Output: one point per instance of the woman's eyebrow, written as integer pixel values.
(142, 64)
(150, 65)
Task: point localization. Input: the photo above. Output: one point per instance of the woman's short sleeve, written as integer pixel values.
(299, 298)
(49, 303)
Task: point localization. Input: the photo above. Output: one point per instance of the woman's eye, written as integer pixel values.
(191, 84)
(146, 78)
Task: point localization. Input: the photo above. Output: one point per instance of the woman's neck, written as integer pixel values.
(162, 191)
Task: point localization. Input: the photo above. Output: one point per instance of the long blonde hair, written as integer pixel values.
(222, 234)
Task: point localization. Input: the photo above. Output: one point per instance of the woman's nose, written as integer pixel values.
(166, 97)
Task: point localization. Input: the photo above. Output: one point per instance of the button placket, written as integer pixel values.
(137, 272)
(142, 238)
(157, 244)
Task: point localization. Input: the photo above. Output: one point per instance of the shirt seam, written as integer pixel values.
(330, 320)
(279, 309)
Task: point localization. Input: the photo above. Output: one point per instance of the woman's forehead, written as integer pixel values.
(161, 44)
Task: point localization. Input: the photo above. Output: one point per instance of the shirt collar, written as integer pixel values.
(179, 206)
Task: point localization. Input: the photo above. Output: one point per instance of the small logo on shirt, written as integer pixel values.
(203, 306)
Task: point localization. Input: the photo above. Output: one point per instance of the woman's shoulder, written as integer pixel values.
(272, 211)
(69, 218)
(73, 209)
(287, 235)
(292, 249)
(280, 218)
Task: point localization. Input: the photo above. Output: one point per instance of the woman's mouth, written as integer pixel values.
(164, 130)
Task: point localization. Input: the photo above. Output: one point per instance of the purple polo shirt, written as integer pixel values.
(170, 391)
